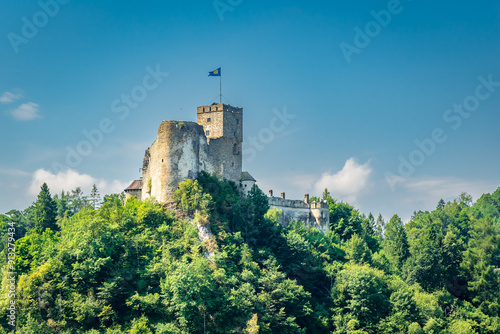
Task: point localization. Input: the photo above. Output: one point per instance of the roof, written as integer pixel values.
(245, 176)
(135, 185)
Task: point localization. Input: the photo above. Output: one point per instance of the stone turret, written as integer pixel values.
(223, 127)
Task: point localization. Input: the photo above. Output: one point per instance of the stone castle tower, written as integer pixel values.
(183, 149)
(223, 126)
(213, 144)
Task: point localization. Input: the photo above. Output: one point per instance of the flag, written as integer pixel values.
(215, 73)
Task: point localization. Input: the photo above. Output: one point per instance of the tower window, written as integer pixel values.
(209, 120)
(237, 121)
(207, 132)
(236, 150)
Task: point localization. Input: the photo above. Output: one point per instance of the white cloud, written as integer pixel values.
(12, 172)
(26, 112)
(348, 183)
(429, 190)
(8, 97)
(71, 179)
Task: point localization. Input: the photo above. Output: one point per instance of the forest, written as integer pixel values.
(84, 264)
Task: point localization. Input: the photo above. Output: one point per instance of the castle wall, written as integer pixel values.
(225, 158)
(133, 193)
(173, 157)
(212, 122)
(316, 216)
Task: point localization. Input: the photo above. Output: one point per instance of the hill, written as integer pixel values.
(86, 266)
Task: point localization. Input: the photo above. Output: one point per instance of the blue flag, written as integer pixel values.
(215, 73)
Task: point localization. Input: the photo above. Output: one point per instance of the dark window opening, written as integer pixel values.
(237, 121)
(209, 120)
(207, 132)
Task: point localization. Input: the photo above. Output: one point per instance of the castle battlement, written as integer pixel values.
(315, 214)
(219, 107)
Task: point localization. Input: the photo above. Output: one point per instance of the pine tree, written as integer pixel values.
(62, 204)
(380, 226)
(95, 198)
(45, 211)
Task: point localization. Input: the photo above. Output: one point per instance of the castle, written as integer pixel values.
(213, 144)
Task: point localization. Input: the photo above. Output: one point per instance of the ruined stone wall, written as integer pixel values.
(173, 157)
(297, 210)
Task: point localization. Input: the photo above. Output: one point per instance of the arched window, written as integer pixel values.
(236, 150)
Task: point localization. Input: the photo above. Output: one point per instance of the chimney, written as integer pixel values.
(270, 193)
(283, 195)
(306, 198)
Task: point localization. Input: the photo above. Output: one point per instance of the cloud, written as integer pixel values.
(429, 190)
(26, 112)
(71, 179)
(8, 97)
(348, 183)
(12, 172)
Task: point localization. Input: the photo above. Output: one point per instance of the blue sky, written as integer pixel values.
(351, 117)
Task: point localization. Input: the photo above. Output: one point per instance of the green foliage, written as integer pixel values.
(134, 267)
(396, 242)
(190, 197)
(357, 251)
(345, 220)
(45, 211)
(362, 292)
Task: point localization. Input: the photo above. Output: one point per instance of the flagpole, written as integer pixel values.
(220, 89)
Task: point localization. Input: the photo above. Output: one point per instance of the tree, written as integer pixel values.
(326, 195)
(368, 225)
(396, 241)
(77, 200)
(62, 204)
(357, 251)
(95, 198)
(252, 325)
(380, 226)
(465, 199)
(189, 197)
(345, 220)
(193, 294)
(45, 211)
(254, 208)
(452, 255)
(425, 264)
(361, 292)
(484, 284)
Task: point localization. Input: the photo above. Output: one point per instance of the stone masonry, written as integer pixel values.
(213, 144)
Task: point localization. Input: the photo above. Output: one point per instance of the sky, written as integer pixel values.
(391, 105)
